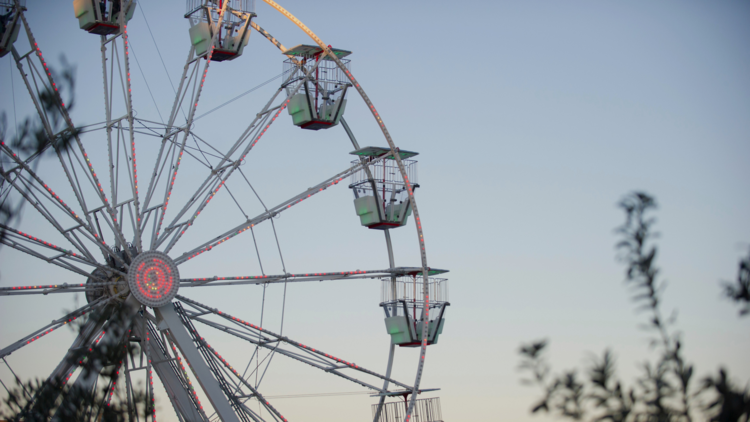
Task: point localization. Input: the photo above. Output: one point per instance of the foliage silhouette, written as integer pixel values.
(40, 400)
(740, 292)
(663, 392)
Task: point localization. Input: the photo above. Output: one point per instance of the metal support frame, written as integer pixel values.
(54, 325)
(268, 339)
(80, 174)
(266, 215)
(165, 367)
(64, 369)
(213, 183)
(114, 333)
(69, 166)
(120, 66)
(219, 371)
(169, 320)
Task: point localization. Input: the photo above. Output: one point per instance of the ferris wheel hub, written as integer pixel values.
(153, 279)
(105, 283)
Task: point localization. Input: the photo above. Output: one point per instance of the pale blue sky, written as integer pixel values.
(532, 120)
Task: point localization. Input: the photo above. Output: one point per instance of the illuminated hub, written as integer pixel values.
(153, 279)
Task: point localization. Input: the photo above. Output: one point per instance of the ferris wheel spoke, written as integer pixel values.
(89, 333)
(37, 98)
(213, 178)
(268, 339)
(226, 167)
(198, 89)
(25, 189)
(174, 162)
(64, 259)
(70, 255)
(58, 260)
(108, 349)
(147, 213)
(174, 324)
(108, 117)
(244, 383)
(129, 176)
(272, 344)
(51, 194)
(229, 385)
(54, 325)
(231, 381)
(85, 257)
(283, 278)
(113, 154)
(172, 373)
(62, 109)
(150, 399)
(250, 133)
(270, 213)
(29, 188)
(109, 391)
(45, 289)
(110, 216)
(170, 132)
(129, 105)
(129, 393)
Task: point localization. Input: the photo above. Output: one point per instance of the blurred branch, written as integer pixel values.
(662, 393)
(607, 393)
(562, 394)
(740, 291)
(729, 402)
(670, 377)
(40, 400)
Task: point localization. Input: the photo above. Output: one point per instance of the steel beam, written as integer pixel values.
(177, 393)
(168, 319)
(115, 331)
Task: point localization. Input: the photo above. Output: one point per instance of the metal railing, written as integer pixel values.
(425, 410)
(245, 6)
(327, 70)
(410, 289)
(385, 172)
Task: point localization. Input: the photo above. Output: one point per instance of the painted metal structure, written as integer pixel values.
(119, 233)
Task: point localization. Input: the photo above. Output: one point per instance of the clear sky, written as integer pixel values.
(532, 119)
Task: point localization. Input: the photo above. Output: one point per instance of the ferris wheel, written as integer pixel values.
(122, 201)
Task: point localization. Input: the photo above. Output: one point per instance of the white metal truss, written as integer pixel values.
(105, 224)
